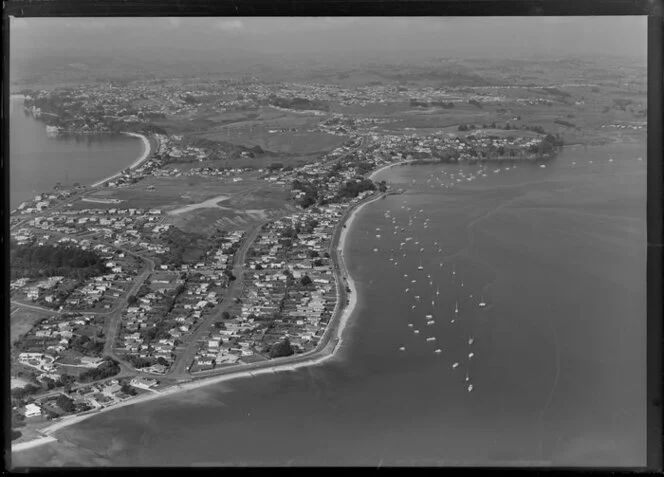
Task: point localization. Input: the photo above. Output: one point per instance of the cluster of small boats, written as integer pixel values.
(423, 281)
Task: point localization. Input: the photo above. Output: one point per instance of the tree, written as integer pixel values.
(20, 393)
(131, 300)
(64, 403)
(225, 315)
(127, 389)
(282, 348)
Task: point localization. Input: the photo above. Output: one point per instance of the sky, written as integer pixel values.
(357, 37)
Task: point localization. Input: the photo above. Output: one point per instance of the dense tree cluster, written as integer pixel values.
(127, 389)
(281, 348)
(107, 369)
(363, 167)
(84, 345)
(50, 260)
(157, 332)
(352, 189)
(298, 103)
(548, 145)
(562, 122)
(21, 393)
(420, 104)
(310, 193)
(64, 403)
(139, 362)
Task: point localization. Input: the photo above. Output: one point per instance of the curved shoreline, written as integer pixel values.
(389, 166)
(326, 349)
(141, 159)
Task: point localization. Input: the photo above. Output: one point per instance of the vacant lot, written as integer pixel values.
(22, 321)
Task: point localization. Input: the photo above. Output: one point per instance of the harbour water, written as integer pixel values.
(39, 161)
(558, 254)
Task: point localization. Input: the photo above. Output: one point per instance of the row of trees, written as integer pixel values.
(424, 104)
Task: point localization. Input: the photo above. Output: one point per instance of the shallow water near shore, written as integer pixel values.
(558, 366)
(38, 161)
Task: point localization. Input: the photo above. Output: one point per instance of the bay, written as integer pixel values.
(558, 254)
(38, 161)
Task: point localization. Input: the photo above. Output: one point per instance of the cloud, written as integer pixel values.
(229, 25)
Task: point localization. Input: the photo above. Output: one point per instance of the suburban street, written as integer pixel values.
(182, 362)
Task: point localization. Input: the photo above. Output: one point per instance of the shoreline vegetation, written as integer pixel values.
(326, 349)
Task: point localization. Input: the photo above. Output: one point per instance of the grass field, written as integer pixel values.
(174, 192)
(243, 209)
(22, 321)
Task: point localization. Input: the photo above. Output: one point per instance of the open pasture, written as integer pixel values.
(239, 211)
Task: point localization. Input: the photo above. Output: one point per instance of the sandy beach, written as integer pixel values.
(326, 350)
(143, 157)
(373, 175)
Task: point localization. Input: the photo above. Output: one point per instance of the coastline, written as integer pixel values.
(141, 159)
(389, 166)
(326, 349)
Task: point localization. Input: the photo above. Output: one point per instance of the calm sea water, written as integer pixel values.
(38, 162)
(558, 255)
